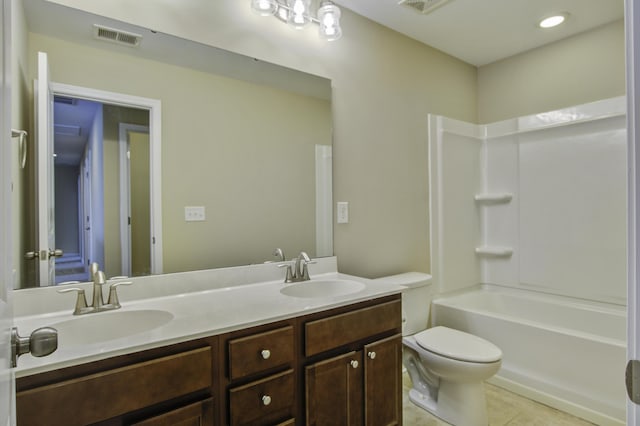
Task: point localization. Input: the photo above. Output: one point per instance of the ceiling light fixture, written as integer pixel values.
(553, 21)
(297, 13)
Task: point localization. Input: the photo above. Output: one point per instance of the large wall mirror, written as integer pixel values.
(245, 151)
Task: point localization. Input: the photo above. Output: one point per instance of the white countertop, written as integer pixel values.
(196, 314)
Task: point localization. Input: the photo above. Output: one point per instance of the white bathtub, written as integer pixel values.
(563, 352)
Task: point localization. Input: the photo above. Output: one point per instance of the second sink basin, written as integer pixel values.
(322, 288)
(102, 326)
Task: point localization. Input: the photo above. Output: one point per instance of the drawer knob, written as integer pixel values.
(354, 363)
(372, 355)
(266, 400)
(266, 354)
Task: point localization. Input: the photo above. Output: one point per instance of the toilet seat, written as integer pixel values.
(458, 345)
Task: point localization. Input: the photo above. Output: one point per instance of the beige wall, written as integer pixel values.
(243, 151)
(140, 205)
(20, 109)
(580, 69)
(384, 86)
(112, 117)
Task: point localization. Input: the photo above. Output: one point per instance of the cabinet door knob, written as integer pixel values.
(266, 400)
(266, 354)
(354, 363)
(372, 355)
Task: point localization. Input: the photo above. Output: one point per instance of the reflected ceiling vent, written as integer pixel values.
(116, 36)
(64, 100)
(423, 6)
(65, 130)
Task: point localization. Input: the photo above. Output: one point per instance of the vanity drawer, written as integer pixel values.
(338, 330)
(100, 396)
(260, 352)
(264, 402)
(197, 414)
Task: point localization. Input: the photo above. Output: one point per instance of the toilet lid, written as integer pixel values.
(458, 345)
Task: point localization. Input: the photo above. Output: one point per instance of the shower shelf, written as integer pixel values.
(494, 251)
(503, 197)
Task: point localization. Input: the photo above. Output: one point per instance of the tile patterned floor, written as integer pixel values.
(505, 409)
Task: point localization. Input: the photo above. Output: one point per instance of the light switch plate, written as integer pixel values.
(342, 212)
(194, 213)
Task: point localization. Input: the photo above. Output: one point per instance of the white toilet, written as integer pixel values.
(447, 367)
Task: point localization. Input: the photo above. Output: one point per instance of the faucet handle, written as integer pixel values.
(117, 277)
(289, 274)
(305, 270)
(113, 293)
(81, 300)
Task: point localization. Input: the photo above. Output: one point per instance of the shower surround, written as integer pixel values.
(537, 204)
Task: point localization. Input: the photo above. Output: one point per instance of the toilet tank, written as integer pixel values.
(416, 300)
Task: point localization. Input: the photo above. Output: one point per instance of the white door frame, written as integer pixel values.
(632, 41)
(7, 237)
(154, 107)
(125, 192)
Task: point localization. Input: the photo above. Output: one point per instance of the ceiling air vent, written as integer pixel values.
(423, 6)
(116, 36)
(64, 130)
(64, 100)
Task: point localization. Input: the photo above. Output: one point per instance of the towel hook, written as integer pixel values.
(22, 145)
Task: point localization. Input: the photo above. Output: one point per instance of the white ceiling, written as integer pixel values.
(483, 31)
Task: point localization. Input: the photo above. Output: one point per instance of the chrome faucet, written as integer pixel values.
(97, 300)
(300, 271)
(98, 281)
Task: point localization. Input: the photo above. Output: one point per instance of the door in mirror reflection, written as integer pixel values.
(42, 255)
(102, 189)
(77, 129)
(135, 227)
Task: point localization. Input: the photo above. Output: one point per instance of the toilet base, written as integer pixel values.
(461, 404)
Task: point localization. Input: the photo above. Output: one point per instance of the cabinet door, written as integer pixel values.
(383, 382)
(334, 391)
(198, 414)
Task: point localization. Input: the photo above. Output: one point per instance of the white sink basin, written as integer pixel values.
(102, 326)
(322, 288)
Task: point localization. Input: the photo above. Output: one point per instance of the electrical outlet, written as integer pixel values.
(193, 213)
(342, 212)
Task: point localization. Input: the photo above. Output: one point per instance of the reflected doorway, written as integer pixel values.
(93, 188)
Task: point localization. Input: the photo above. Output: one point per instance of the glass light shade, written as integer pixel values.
(264, 7)
(299, 13)
(329, 17)
(283, 12)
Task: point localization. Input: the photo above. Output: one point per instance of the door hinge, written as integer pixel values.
(632, 380)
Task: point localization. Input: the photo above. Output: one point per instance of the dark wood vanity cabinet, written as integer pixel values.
(197, 414)
(258, 387)
(164, 386)
(340, 366)
(334, 390)
(383, 382)
(363, 384)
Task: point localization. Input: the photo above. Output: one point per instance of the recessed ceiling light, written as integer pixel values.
(553, 21)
